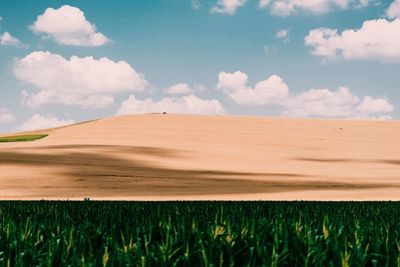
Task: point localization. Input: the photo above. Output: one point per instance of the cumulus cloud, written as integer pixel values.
(269, 91)
(285, 8)
(283, 34)
(7, 39)
(186, 104)
(393, 11)
(6, 116)
(180, 88)
(83, 81)
(336, 104)
(322, 103)
(227, 6)
(312, 103)
(43, 122)
(68, 25)
(371, 105)
(377, 40)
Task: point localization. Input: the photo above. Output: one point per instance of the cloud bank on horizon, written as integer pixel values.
(312, 103)
(68, 64)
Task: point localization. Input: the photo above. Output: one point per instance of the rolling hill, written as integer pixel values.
(165, 156)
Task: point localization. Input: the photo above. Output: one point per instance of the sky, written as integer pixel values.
(69, 61)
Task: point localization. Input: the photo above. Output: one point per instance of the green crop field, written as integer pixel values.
(22, 138)
(92, 233)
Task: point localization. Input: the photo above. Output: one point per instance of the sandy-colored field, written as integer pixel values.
(159, 156)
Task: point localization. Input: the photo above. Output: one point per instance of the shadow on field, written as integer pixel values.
(337, 160)
(103, 171)
(394, 162)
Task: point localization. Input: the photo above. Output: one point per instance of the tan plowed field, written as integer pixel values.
(157, 157)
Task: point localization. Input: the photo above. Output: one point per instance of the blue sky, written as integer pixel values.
(218, 57)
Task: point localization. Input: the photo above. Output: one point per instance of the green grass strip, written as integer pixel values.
(22, 138)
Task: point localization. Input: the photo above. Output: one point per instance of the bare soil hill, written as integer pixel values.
(163, 156)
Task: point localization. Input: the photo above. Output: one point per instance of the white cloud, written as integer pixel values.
(180, 88)
(86, 81)
(324, 42)
(321, 103)
(199, 88)
(376, 40)
(312, 103)
(196, 4)
(44, 97)
(285, 8)
(227, 6)
(393, 11)
(68, 25)
(263, 3)
(186, 104)
(185, 89)
(269, 91)
(370, 105)
(42, 122)
(336, 104)
(7, 39)
(283, 34)
(6, 116)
